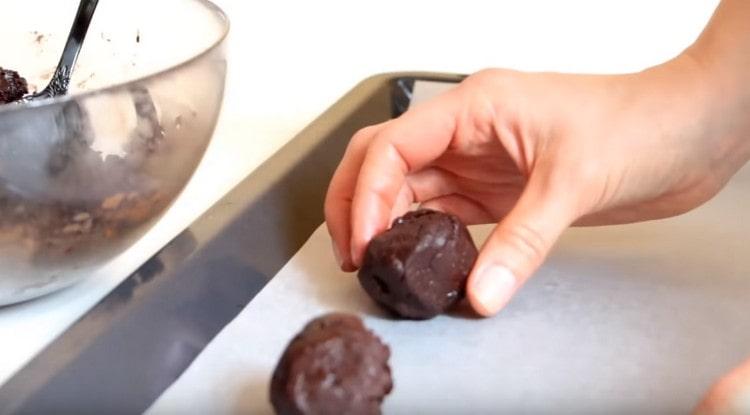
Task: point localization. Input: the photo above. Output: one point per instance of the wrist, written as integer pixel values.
(704, 106)
(725, 101)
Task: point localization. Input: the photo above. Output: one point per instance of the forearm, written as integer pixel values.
(724, 45)
(723, 53)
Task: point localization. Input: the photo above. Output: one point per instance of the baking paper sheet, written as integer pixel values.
(627, 319)
(638, 318)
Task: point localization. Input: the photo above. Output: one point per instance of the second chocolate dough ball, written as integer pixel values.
(335, 365)
(418, 268)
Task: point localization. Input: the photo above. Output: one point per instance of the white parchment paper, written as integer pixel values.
(627, 319)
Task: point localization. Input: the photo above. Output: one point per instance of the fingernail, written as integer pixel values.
(337, 255)
(345, 264)
(492, 288)
(354, 260)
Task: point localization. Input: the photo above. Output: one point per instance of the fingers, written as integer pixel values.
(518, 246)
(340, 191)
(403, 203)
(465, 209)
(425, 184)
(374, 167)
(405, 145)
(731, 395)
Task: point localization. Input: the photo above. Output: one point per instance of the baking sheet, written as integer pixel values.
(631, 319)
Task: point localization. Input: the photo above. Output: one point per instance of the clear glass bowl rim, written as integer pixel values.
(210, 6)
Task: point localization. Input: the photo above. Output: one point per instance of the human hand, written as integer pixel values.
(538, 152)
(730, 395)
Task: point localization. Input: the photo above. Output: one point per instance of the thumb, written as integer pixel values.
(730, 395)
(517, 247)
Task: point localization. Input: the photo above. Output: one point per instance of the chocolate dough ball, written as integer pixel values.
(418, 268)
(12, 86)
(334, 366)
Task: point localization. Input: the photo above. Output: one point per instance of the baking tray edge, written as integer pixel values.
(124, 352)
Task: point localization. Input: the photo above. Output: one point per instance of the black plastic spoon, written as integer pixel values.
(58, 85)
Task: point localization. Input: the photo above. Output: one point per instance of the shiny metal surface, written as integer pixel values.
(83, 176)
(154, 324)
(60, 81)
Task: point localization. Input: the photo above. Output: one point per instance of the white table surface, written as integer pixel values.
(290, 60)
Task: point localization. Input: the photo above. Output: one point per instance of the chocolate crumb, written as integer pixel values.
(12, 86)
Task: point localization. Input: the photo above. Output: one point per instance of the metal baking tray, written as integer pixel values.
(134, 343)
(625, 319)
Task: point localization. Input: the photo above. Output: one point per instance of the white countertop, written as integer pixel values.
(290, 60)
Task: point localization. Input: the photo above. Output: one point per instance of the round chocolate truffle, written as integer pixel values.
(12, 86)
(418, 268)
(335, 365)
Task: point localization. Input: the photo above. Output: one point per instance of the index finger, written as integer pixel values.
(405, 145)
(338, 203)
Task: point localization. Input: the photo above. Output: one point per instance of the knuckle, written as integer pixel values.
(336, 201)
(334, 190)
(528, 242)
(587, 173)
(483, 75)
(383, 148)
(329, 210)
(481, 79)
(364, 135)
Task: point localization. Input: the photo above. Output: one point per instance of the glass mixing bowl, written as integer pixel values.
(82, 177)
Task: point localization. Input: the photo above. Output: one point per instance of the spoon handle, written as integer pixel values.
(61, 78)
